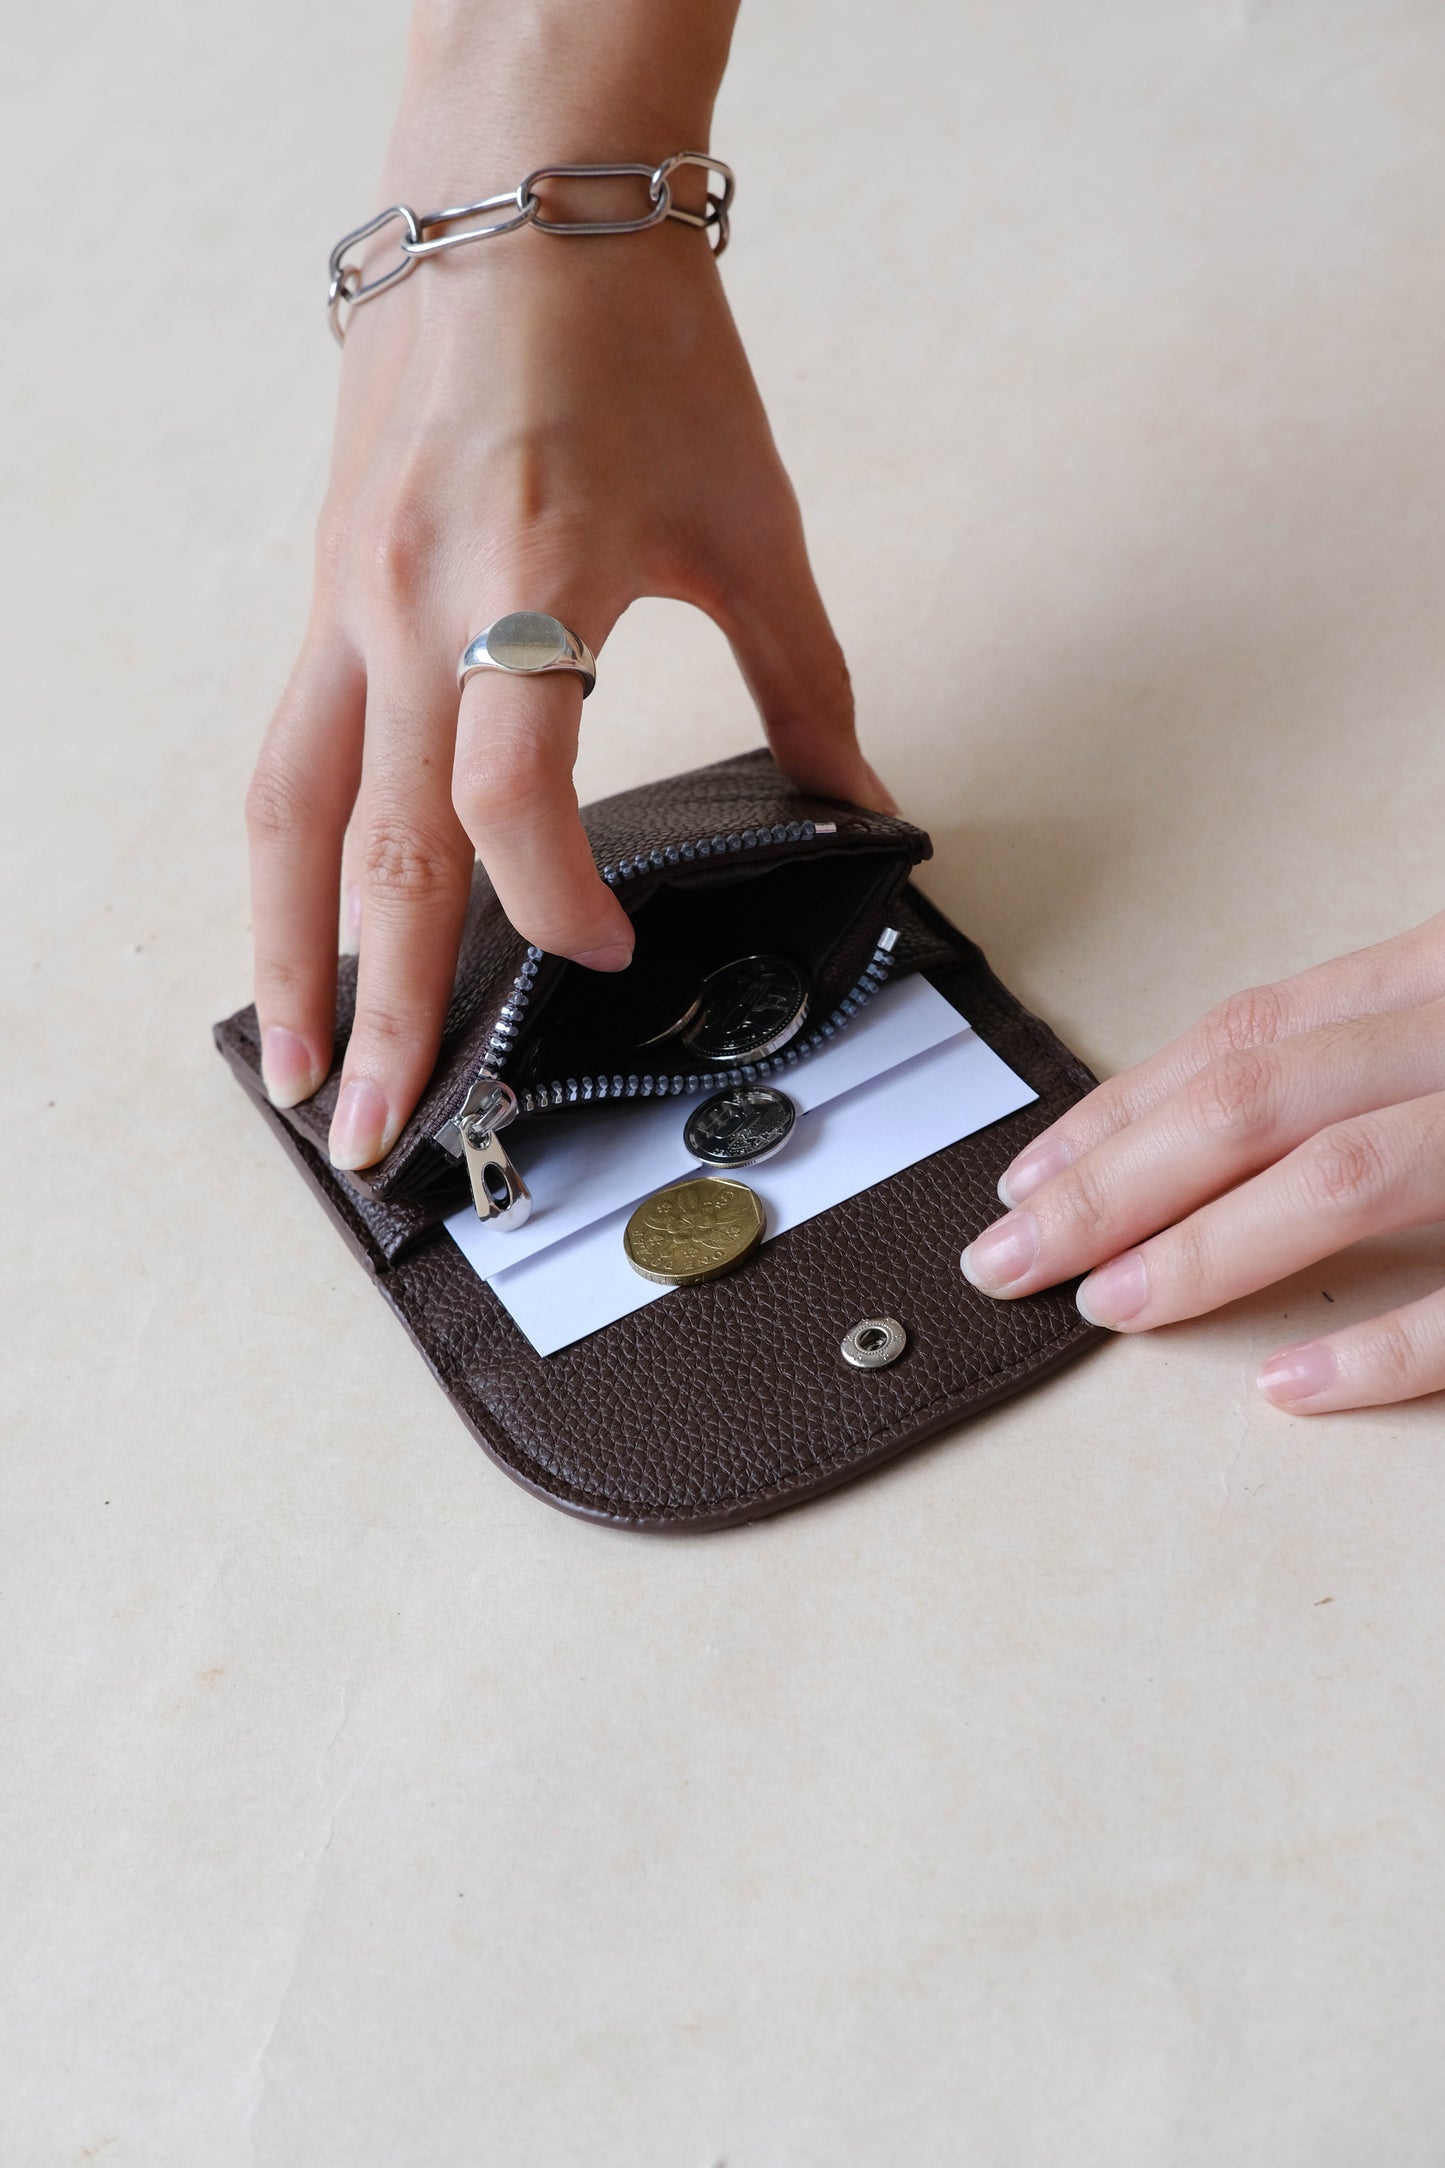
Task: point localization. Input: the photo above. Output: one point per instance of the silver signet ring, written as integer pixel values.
(526, 643)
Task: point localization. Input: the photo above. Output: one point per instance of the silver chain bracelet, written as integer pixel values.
(525, 208)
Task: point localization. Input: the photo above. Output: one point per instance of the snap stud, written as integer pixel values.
(874, 1342)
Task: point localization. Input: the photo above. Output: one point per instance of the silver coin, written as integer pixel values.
(671, 1007)
(740, 1126)
(627, 1011)
(750, 1008)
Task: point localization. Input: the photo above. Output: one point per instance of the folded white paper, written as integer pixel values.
(582, 1281)
(579, 1167)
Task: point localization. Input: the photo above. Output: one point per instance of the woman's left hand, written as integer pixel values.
(1293, 1120)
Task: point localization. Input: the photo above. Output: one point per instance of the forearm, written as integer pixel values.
(491, 90)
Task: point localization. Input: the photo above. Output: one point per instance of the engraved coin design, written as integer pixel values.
(749, 1008)
(740, 1126)
(526, 640)
(694, 1231)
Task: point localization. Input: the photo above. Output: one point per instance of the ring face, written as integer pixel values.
(526, 640)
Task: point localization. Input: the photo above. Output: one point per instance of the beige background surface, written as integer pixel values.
(1069, 1793)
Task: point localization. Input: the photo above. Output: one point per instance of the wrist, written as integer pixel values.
(568, 82)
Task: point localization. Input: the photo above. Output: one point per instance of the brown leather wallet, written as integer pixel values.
(729, 1400)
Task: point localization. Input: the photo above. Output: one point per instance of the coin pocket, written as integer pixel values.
(821, 918)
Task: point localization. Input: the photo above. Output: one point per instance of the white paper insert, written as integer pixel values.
(889, 1114)
(579, 1167)
(875, 1131)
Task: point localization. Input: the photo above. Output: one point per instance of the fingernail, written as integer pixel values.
(289, 1069)
(883, 797)
(1037, 1164)
(615, 956)
(1299, 1373)
(358, 1126)
(1117, 1291)
(1002, 1254)
(353, 912)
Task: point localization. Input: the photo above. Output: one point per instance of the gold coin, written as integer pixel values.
(694, 1231)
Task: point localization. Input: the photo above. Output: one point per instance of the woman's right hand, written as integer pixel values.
(530, 423)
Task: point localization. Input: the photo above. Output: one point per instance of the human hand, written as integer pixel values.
(1293, 1120)
(530, 423)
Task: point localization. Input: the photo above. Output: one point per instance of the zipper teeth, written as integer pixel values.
(509, 1016)
(514, 1008)
(578, 1091)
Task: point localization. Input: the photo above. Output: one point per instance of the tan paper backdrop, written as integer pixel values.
(1071, 1793)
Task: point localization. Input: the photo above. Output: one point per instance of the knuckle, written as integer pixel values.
(1235, 1095)
(1082, 1203)
(382, 1031)
(553, 537)
(531, 470)
(278, 809)
(333, 548)
(1346, 1169)
(283, 974)
(400, 861)
(504, 784)
(828, 700)
(1391, 1352)
(400, 551)
(693, 575)
(1254, 1017)
(535, 480)
(1188, 1258)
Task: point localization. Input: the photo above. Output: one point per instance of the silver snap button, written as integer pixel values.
(874, 1342)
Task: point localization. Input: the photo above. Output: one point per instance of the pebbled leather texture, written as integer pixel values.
(725, 1402)
(734, 799)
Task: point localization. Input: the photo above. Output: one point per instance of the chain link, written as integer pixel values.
(524, 207)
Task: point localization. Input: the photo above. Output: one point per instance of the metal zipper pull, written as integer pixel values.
(498, 1190)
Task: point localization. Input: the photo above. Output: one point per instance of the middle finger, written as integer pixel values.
(415, 870)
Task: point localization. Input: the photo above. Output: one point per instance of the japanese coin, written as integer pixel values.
(749, 1008)
(694, 1231)
(740, 1126)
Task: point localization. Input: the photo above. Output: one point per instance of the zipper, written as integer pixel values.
(514, 1008)
(581, 1091)
(498, 1189)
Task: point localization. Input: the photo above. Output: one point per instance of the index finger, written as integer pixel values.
(1381, 980)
